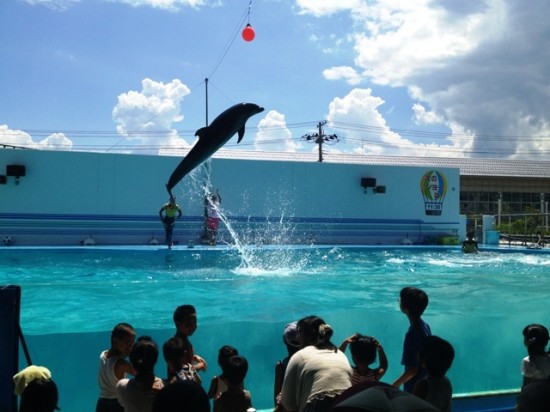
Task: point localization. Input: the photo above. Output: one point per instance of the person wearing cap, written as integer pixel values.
(168, 219)
(27, 375)
(290, 339)
(37, 389)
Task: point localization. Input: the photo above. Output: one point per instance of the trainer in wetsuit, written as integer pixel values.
(169, 219)
(469, 245)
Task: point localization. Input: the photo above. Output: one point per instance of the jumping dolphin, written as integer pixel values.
(212, 137)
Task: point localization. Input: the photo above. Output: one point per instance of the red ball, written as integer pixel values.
(248, 33)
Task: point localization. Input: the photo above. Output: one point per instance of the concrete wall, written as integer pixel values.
(66, 197)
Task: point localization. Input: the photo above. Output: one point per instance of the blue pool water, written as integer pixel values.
(71, 299)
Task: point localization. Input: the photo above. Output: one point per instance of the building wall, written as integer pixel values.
(480, 194)
(66, 197)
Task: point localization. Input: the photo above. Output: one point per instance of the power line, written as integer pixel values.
(229, 43)
(357, 134)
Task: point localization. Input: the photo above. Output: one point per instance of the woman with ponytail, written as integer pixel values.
(537, 364)
(318, 372)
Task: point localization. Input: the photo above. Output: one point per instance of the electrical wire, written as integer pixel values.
(230, 42)
(353, 134)
(218, 62)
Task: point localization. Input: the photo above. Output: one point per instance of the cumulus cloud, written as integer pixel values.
(273, 134)
(349, 74)
(149, 115)
(360, 107)
(56, 141)
(422, 116)
(480, 66)
(351, 114)
(15, 137)
(19, 138)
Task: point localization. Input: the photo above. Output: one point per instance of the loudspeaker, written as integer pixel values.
(15, 170)
(380, 189)
(368, 182)
(3, 180)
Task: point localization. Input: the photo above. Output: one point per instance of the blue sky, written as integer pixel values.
(464, 78)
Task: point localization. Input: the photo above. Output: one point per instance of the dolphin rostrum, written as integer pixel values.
(212, 137)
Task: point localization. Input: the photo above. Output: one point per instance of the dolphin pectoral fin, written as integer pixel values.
(241, 134)
(201, 132)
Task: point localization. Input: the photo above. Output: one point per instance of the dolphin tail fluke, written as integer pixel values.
(169, 191)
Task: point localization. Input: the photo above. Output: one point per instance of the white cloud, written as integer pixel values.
(424, 117)
(19, 138)
(15, 137)
(343, 72)
(274, 135)
(60, 5)
(170, 5)
(56, 141)
(149, 115)
(401, 40)
(359, 123)
(326, 8)
(360, 107)
(481, 66)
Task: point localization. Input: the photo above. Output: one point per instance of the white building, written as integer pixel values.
(64, 198)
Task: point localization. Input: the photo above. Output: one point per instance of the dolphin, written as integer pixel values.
(212, 137)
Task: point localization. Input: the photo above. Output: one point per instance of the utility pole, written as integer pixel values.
(206, 100)
(320, 138)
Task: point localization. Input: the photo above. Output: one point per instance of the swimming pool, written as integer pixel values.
(72, 297)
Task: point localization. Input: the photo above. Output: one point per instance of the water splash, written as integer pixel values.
(249, 242)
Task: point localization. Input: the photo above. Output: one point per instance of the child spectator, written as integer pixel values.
(363, 353)
(235, 398)
(534, 397)
(412, 302)
(174, 355)
(185, 320)
(537, 364)
(113, 366)
(290, 339)
(137, 394)
(436, 356)
(218, 384)
(180, 396)
(40, 395)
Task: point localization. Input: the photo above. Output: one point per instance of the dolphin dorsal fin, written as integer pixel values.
(241, 134)
(201, 132)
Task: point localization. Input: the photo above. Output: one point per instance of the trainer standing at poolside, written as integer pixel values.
(213, 216)
(168, 219)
